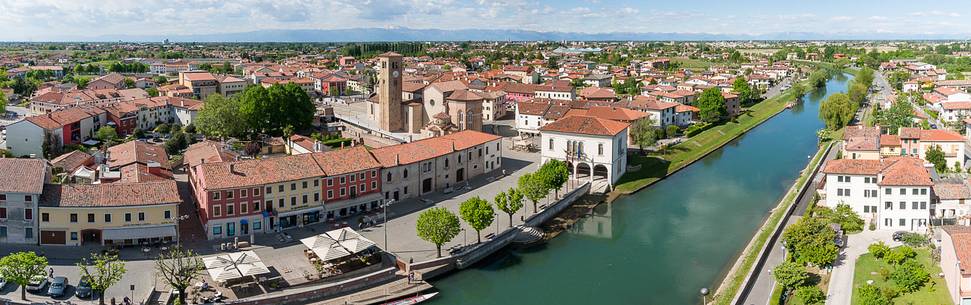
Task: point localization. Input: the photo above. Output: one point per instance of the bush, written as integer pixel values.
(671, 131)
(879, 250)
(899, 255)
(163, 128)
(810, 295)
(910, 276)
(695, 129)
(871, 295)
(790, 274)
(915, 240)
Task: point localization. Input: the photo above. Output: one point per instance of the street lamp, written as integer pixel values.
(495, 219)
(704, 295)
(385, 211)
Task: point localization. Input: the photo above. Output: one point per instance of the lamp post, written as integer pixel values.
(495, 219)
(385, 211)
(704, 295)
(465, 238)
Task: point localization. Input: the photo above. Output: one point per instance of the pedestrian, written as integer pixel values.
(770, 270)
(50, 272)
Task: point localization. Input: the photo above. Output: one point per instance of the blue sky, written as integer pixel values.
(57, 19)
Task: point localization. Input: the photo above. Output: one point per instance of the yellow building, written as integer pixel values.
(109, 214)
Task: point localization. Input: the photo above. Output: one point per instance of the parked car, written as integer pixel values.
(37, 283)
(83, 290)
(58, 286)
(3, 282)
(897, 236)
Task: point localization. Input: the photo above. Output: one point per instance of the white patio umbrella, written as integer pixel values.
(350, 239)
(234, 265)
(325, 247)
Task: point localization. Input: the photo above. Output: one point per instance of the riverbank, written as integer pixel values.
(656, 167)
(741, 269)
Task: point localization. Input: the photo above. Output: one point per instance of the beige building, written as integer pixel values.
(109, 213)
(21, 184)
(955, 257)
(201, 83)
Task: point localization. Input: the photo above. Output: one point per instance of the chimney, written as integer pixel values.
(232, 168)
(342, 144)
(453, 145)
(202, 160)
(397, 159)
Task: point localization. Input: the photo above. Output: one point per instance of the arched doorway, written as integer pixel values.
(583, 171)
(600, 172)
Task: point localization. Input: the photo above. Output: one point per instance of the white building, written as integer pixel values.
(593, 148)
(892, 193)
(536, 113)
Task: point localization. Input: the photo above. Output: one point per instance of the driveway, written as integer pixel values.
(841, 280)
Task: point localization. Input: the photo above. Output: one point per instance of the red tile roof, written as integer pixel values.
(345, 161)
(254, 172)
(136, 152)
(58, 119)
(110, 194)
(895, 171)
(961, 240)
(426, 149)
(940, 135)
(72, 160)
(586, 125)
(22, 175)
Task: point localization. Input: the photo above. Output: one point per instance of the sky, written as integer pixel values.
(39, 20)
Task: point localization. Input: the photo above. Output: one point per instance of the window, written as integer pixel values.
(280, 203)
(141, 216)
(551, 144)
(923, 205)
(127, 217)
(303, 184)
(316, 183)
(886, 222)
(903, 205)
(3, 213)
(215, 195)
(374, 173)
(600, 149)
(903, 222)
(404, 173)
(215, 211)
(229, 209)
(229, 194)
(217, 230)
(107, 217)
(293, 186)
(343, 191)
(913, 205)
(903, 191)
(914, 191)
(269, 190)
(316, 197)
(923, 191)
(374, 185)
(330, 181)
(28, 198)
(361, 176)
(256, 205)
(839, 192)
(256, 192)
(406, 190)
(3, 197)
(28, 214)
(168, 214)
(304, 199)
(353, 178)
(91, 217)
(887, 191)
(446, 162)
(74, 235)
(74, 217)
(389, 176)
(330, 194)
(242, 193)
(344, 179)
(45, 217)
(29, 233)
(279, 188)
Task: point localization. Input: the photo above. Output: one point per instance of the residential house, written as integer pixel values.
(891, 193)
(21, 185)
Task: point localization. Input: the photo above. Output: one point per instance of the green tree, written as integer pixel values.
(899, 255)
(556, 174)
(106, 134)
(836, 111)
(910, 276)
(437, 226)
(269, 110)
(857, 93)
(746, 95)
(900, 114)
(220, 117)
(107, 271)
(644, 133)
(871, 295)
(153, 92)
(935, 156)
(129, 83)
(179, 268)
(20, 267)
(844, 215)
(533, 187)
(478, 214)
(3, 103)
(791, 275)
(176, 142)
(810, 295)
(810, 240)
(879, 250)
(509, 202)
(712, 105)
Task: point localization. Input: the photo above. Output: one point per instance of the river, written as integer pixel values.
(664, 243)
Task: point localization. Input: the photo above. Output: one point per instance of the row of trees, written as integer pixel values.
(178, 268)
(257, 110)
(839, 109)
(439, 225)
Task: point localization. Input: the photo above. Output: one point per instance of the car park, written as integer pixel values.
(83, 290)
(58, 287)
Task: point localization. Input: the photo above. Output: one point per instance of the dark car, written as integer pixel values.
(897, 236)
(83, 289)
(58, 287)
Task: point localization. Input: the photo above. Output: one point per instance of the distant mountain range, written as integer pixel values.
(407, 34)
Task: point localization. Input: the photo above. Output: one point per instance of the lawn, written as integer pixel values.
(934, 292)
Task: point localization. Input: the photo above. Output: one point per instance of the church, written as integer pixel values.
(442, 108)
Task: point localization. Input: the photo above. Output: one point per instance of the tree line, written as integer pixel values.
(839, 109)
(276, 111)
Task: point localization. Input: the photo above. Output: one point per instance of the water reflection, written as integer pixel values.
(596, 224)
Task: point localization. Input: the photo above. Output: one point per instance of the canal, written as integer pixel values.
(664, 243)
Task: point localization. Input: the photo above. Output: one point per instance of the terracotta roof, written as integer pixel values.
(412, 87)
(532, 108)
(939, 135)
(345, 161)
(686, 108)
(110, 194)
(961, 239)
(72, 160)
(853, 167)
(426, 149)
(209, 151)
(254, 172)
(136, 152)
(951, 190)
(113, 78)
(22, 175)
(198, 76)
(905, 171)
(58, 119)
(556, 112)
(610, 113)
(449, 86)
(650, 103)
(586, 125)
(889, 140)
(956, 105)
(464, 96)
(909, 133)
(598, 93)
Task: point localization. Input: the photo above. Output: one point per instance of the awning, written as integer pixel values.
(138, 232)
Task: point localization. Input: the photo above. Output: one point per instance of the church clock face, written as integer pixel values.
(394, 74)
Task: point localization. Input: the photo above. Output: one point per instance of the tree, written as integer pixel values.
(836, 111)
(152, 92)
(129, 83)
(179, 268)
(899, 255)
(791, 275)
(671, 131)
(532, 187)
(935, 156)
(271, 109)
(712, 105)
(221, 117)
(20, 267)
(644, 133)
(799, 90)
(871, 295)
(3, 103)
(437, 226)
(746, 95)
(879, 250)
(810, 295)
(844, 215)
(556, 174)
(810, 240)
(106, 134)
(857, 93)
(910, 276)
(176, 143)
(108, 270)
(478, 214)
(515, 199)
(900, 114)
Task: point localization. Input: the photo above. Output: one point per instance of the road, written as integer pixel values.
(841, 279)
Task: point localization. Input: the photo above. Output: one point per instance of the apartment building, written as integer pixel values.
(21, 185)
(892, 193)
